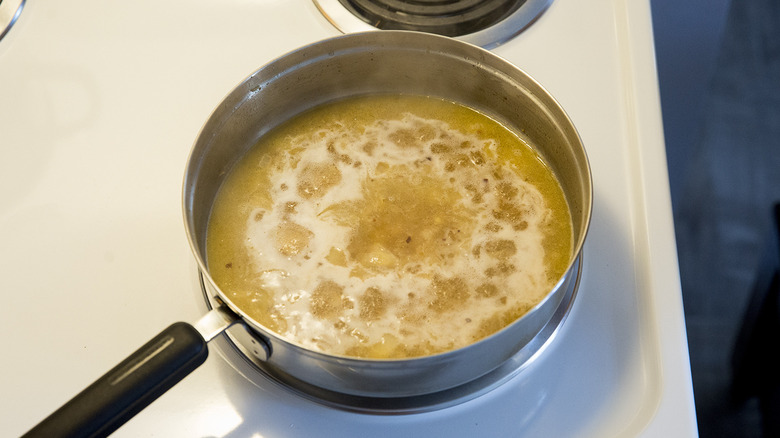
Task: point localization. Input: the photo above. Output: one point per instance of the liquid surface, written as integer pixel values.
(389, 227)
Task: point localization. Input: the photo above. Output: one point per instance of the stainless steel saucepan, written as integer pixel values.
(355, 64)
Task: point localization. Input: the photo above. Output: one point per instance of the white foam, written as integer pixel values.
(291, 278)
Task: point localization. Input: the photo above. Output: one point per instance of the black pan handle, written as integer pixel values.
(128, 388)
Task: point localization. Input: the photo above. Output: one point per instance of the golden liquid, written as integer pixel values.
(389, 226)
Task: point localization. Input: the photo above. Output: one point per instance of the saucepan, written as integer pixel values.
(350, 65)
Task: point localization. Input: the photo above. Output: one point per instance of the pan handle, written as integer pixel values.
(132, 385)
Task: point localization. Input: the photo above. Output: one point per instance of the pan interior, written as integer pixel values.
(389, 226)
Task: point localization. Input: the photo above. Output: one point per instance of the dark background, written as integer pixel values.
(719, 76)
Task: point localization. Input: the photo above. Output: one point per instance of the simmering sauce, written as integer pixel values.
(389, 226)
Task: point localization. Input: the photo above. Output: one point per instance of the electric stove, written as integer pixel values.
(100, 103)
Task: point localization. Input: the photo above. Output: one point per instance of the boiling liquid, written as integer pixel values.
(389, 226)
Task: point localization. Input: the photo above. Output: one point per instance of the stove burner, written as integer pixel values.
(486, 23)
(9, 13)
(443, 17)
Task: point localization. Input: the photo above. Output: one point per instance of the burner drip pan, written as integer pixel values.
(232, 346)
(9, 13)
(486, 23)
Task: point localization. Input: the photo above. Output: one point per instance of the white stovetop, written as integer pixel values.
(100, 102)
